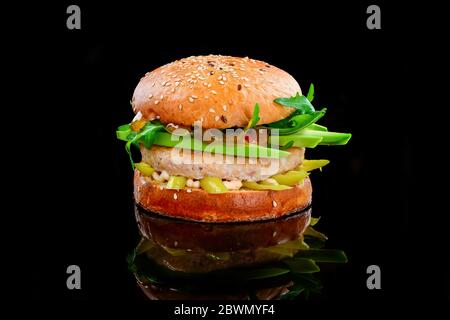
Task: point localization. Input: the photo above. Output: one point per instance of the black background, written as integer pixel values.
(366, 196)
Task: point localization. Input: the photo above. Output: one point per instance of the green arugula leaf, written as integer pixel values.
(255, 118)
(123, 132)
(297, 123)
(310, 95)
(146, 135)
(300, 103)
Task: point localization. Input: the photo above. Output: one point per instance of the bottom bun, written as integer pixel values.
(231, 206)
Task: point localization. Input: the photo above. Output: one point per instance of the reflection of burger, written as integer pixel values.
(269, 259)
(199, 247)
(259, 173)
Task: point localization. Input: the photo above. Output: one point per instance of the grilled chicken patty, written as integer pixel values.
(197, 165)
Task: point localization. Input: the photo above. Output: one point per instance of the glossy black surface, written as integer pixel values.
(81, 205)
(264, 260)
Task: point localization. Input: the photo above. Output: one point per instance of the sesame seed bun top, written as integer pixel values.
(219, 91)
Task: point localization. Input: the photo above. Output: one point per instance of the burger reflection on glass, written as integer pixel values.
(222, 190)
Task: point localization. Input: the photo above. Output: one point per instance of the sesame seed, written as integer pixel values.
(274, 234)
(168, 84)
(239, 87)
(191, 99)
(209, 85)
(274, 203)
(189, 190)
(212, 110)
(175, 243)
(175, 197)
(224, 78)
(153, 84)
(220, 78)
(224, 107)
(205, 84)
(150, 96)
(213, 91)
(177, 84)
(224, 119)
(206, 97)
(173, 90)
(156, 101)
(221, 82)
(194, 96)
(174, 76)
(216, 118)
(246, 85)
(180, 106)
(161, 97)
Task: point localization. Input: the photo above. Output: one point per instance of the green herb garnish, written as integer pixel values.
(255, 118)
(300, 103)
(146, 135)
(310, 95)
(296, 123)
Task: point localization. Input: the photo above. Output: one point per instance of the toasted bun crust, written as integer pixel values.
(232, 206)
(220, 90)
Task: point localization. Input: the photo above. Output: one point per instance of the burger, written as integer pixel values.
(223, 139)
